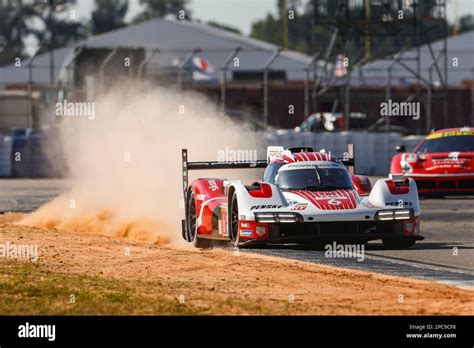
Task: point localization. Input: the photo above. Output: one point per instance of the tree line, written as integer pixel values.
(51, 24)
(310, 26)
(299, 25)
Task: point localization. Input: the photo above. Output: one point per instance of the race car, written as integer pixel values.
(305, 197)
(442, 163)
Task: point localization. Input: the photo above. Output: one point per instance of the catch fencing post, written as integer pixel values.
(388, 89)
(30, 86)
(106, 61)
(430, 92)
(350, 152)
(306, 82)
(265, 86)
(224, 76)
(73, 59)
(145, 61)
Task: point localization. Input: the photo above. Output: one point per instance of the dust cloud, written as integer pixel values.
(125, 163)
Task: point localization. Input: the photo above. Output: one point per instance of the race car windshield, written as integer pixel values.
(334, 179)
(463, 143)
(314, 179)
(301, 179)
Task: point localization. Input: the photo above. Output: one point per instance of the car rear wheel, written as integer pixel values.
(191, 221)
(398, 243)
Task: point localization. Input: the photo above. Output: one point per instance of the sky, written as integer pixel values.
(242, 13)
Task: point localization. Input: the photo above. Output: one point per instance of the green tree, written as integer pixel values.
(268, 29)
(13, 31)
(108, 15)
(58, 27)
(309, 31)
(466, 23)
(161, 8)
(299, 26)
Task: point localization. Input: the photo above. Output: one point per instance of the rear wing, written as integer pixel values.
(209, 165)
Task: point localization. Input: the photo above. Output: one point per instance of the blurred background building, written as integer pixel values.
(313, 66)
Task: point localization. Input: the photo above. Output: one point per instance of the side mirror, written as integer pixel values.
(400, 148)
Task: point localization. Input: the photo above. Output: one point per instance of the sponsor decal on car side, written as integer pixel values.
(265, 206)
(261, 230)
(222, 224)
(246, 233)
(411, 227)
(398, 204)
(299, 206)
(213, 186)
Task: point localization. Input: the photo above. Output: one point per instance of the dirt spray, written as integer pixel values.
(125, 162)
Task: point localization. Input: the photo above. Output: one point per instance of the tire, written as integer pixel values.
(398, 243)
(234, 221)
(191, 227)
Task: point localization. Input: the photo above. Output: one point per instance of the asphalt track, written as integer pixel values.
(446, 255)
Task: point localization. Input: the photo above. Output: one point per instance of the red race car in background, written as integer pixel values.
(441, 164)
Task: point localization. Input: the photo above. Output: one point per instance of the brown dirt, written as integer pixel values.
(222, 282)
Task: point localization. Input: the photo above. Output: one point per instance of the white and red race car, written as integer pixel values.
(304, 197)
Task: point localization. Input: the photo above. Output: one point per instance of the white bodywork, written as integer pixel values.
(380, 198)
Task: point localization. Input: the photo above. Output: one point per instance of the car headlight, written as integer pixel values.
(403, 214)
(265, 217)
(278, 217)
(384, 215)
(394, 214)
